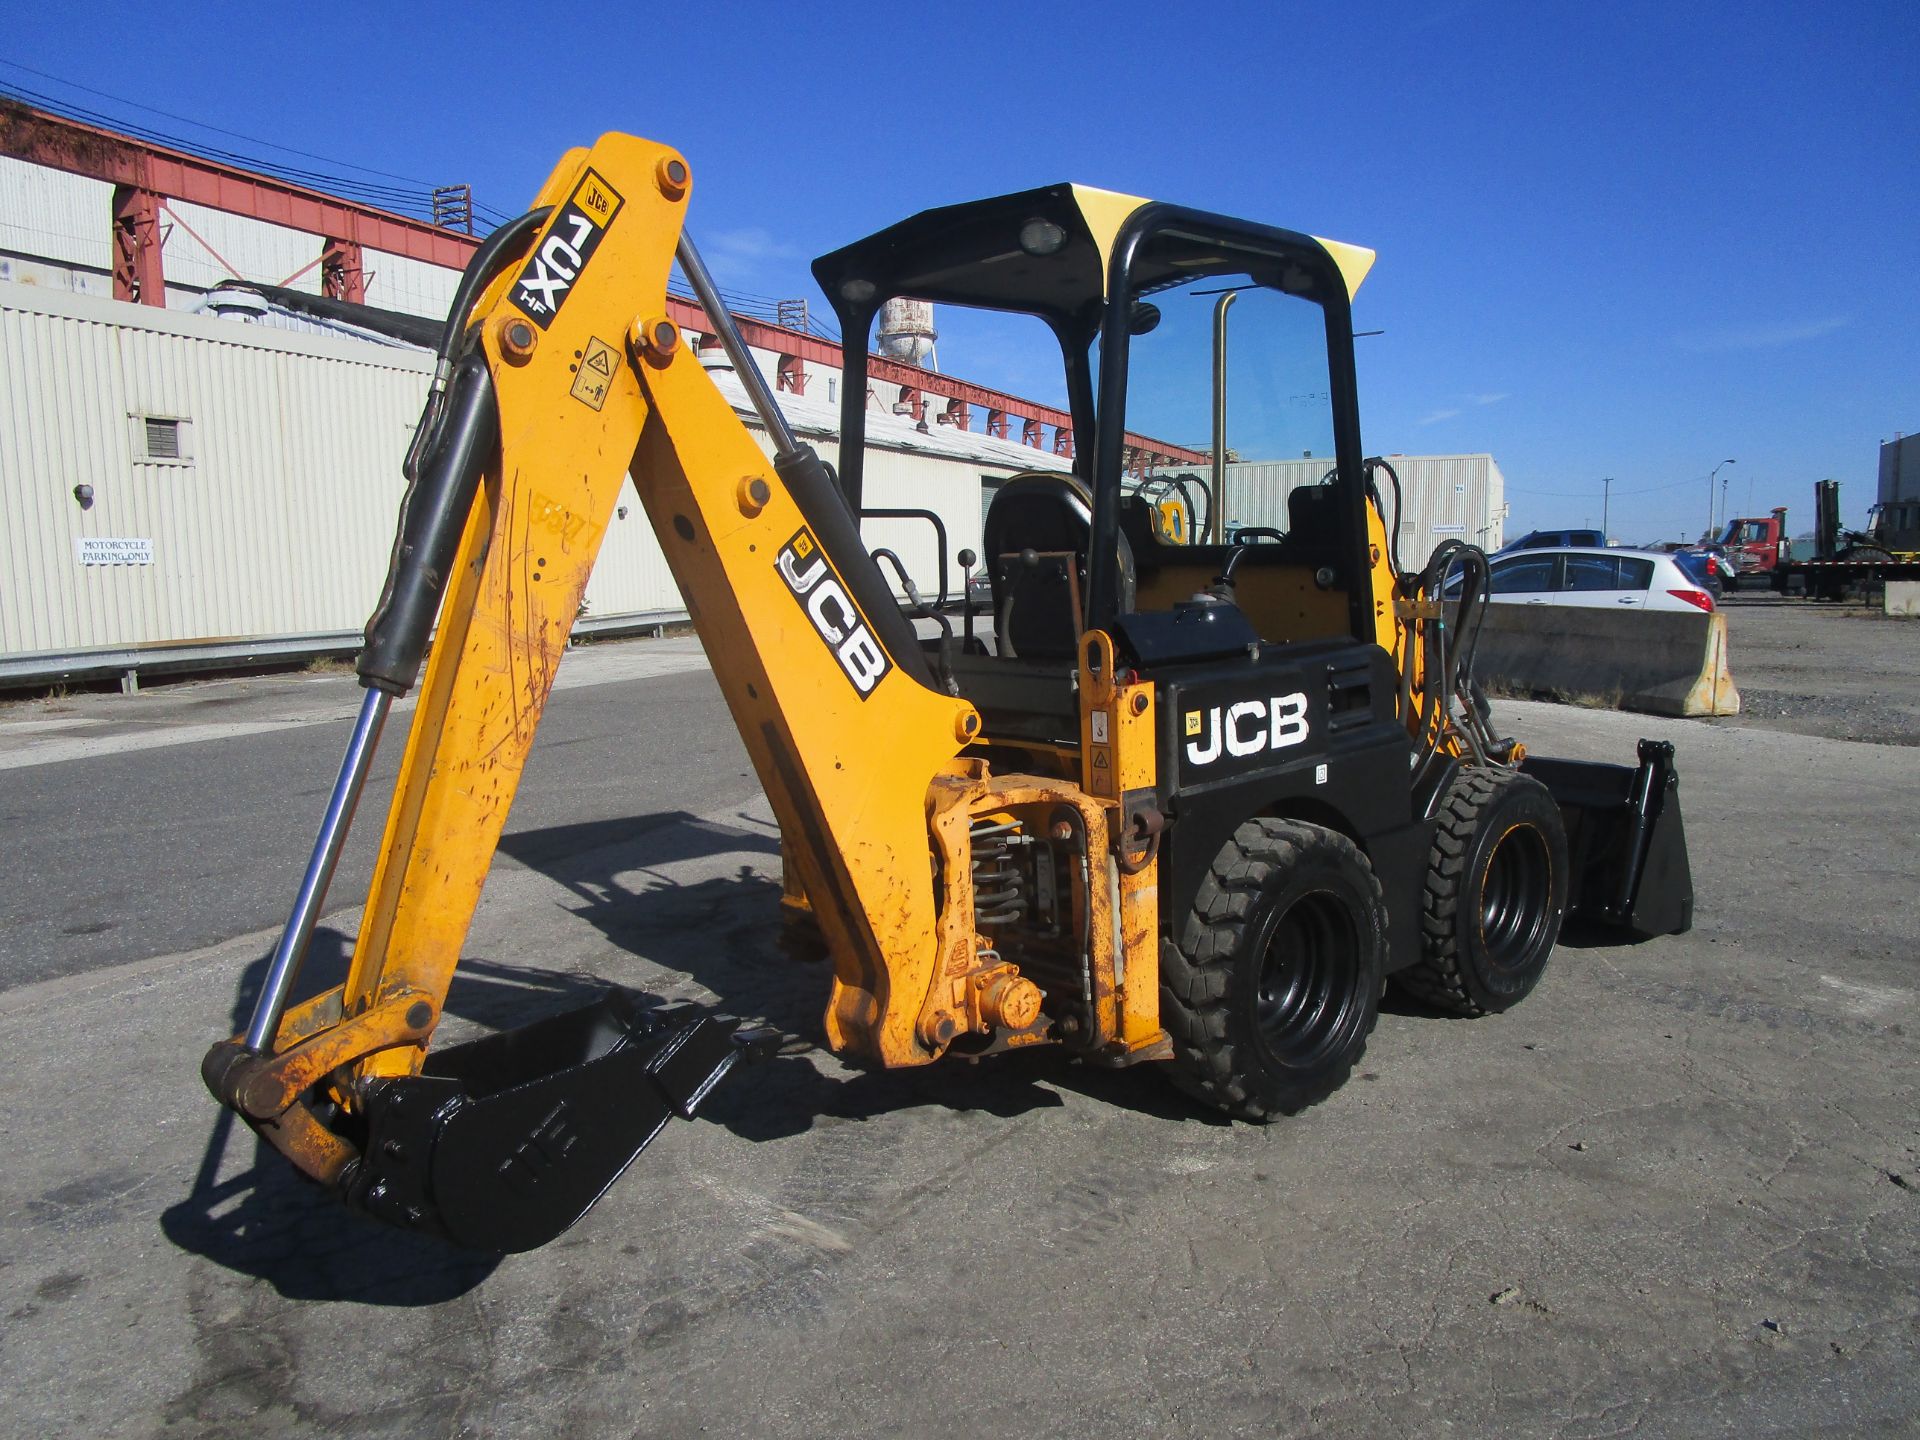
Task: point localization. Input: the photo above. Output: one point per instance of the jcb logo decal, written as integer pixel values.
(1246, 728)
(562, 256)
(817, 586)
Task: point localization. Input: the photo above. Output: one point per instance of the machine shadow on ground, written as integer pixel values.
(724, 933)
(270, 1222)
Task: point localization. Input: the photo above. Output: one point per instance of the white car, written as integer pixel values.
(1593, 577)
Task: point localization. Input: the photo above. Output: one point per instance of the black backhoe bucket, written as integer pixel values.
(502, 1143)
(1625, 842)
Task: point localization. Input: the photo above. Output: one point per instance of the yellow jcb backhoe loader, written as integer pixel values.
(1193, 803)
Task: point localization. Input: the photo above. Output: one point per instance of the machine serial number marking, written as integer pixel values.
(817, 586)
(595, 374)
(561, 258)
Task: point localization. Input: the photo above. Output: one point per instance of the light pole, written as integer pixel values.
(1711, 474)
(1606, 494)
(1218, 520)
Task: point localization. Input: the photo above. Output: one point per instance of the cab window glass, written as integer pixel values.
(1278, 401)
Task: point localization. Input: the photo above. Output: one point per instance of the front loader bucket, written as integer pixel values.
(502, 1143)
(1626, 845)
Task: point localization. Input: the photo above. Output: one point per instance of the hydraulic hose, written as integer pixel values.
(1393, 533)
(1199, 521)
(458, 431)
(433, 513)
(1449, 661)
(1155, 487)
(486, 263)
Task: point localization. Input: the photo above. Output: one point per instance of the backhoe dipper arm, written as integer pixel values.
(573, 364)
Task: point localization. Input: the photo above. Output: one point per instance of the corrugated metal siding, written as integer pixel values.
(52, 220)
(280, 519)
(58, 275)
(413, 287)
(257, 249)
(632, 575)
(1899, 469)
(1461, 497)
(52, 215)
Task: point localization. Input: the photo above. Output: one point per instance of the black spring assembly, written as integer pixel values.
(999, 895)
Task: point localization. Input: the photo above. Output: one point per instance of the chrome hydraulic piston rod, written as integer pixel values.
(435, 508)
(287, 955)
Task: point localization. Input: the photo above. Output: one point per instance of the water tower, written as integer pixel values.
(907, 333)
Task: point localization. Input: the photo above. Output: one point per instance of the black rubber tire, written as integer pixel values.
(1496, 893)
(1274, 984)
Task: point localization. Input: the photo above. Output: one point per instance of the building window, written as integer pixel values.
(162, 440)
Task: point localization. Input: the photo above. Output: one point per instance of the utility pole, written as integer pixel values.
(1606, 494)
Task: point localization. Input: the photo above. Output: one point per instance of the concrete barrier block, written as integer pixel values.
(1661, 662)
(1903, 599)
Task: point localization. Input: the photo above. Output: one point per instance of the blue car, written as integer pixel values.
(1554, 540)
(1704, 568)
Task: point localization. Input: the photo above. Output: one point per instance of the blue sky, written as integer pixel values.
(1626, 240)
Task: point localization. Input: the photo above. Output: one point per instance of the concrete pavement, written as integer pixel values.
(145, 825)
(1673, 1194)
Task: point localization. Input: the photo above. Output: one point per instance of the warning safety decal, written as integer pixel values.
(593, 374)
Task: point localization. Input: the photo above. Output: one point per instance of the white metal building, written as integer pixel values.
(54, 234)
(1899, 493)
(216, 479)
(176, 484)
(1460, 497)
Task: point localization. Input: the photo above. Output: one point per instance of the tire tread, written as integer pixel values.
(1197, 974)
(1438, 979)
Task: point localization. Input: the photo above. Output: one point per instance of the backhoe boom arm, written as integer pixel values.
(572, 380)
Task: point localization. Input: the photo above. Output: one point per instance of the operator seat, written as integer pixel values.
(1036, 536)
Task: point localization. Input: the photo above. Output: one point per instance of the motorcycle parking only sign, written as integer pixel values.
(108, 550)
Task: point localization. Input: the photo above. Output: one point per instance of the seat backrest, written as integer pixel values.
(1041, 606)
(1314, 520)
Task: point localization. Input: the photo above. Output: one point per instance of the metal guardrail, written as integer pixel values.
(129, 662)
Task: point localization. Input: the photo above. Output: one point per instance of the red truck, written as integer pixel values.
(1753, 548)
(1842, 559)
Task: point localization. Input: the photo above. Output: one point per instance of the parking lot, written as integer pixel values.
(1673, 1194)
(1843, 671)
